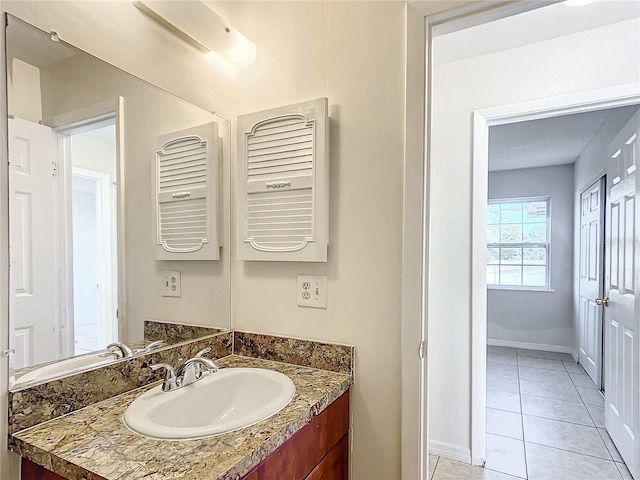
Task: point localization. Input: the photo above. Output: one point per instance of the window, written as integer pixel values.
(518, 243)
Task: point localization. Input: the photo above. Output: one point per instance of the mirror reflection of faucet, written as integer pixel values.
(121, 350)
(118, 350)
(189, 372)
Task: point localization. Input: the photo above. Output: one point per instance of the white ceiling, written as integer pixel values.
(535, 26)
(549, 141)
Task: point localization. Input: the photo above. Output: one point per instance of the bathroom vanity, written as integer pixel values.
(318, 450)
(307, 439)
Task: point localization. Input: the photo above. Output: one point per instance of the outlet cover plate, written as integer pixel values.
(312, 291)
(170, 283)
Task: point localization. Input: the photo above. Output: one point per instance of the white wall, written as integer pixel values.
(533, 316)
(23, 88)
(353, 53)
(580, 62)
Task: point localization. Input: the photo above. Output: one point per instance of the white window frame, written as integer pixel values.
(546, 245)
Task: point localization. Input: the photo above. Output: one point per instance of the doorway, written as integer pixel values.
(532, 88)
(89, 186)
(540, 402)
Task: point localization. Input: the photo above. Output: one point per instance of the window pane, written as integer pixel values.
(493, 234)
(535, 212)
(535, 233)
(510, 275)
(535, 256)
(511, 212)
(511, 233)
(511, 256)
(534, 276)
(493, 216)
(493, 256)
(492, 274)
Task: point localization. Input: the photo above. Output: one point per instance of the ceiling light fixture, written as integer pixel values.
(202, 28)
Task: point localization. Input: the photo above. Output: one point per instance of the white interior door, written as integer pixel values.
(622, 315)
(33, 272)
(591, 285)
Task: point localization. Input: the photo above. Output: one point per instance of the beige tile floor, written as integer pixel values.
(545, 421)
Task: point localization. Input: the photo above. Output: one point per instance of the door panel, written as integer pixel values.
(590, 315)
(33, 275)
(622, 316)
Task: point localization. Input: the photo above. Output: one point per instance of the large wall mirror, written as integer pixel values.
(82, 152)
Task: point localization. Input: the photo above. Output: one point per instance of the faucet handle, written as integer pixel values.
(126, 350)
(111, 353)
(197, 368)
(191, 370)
(170, 377)
(152, 346)
(197, 371)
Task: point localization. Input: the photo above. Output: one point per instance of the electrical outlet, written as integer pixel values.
(170, 284)
(312, 291)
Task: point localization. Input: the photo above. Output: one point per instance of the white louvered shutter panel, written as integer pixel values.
(283, 183)
(187, 194)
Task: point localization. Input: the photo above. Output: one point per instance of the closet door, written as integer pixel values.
(283, 184)
(187, 194)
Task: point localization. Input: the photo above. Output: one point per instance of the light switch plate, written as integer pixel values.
(312, 291)
(170, 283)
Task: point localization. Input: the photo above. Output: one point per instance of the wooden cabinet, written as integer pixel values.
(319, 451)
(32, 471)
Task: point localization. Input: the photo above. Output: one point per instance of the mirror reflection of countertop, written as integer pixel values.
(93, 442)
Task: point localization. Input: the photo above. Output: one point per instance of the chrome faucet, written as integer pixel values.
(118, 350)
(152, 346)
(189, 372)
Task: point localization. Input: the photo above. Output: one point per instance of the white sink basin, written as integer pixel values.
(220, 402)
(63, 367)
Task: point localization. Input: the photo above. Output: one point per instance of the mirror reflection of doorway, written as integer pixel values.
(94, 216)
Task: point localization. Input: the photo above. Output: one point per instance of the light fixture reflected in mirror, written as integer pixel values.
(202, 28)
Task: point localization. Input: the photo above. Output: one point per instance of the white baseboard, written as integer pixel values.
(574, 354)
(452, 452)
(532, 346)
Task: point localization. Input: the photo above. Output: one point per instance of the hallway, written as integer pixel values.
(545, 421)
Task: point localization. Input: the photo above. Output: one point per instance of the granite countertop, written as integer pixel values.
(94, 444)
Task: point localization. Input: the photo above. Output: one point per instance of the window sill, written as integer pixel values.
(520, 289)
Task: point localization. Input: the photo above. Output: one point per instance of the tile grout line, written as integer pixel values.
(607, 446)
(581, 402)
(524, 445)
(561, 421)
(503, 410)
(574, 452)
(506, 436)
(435, 467)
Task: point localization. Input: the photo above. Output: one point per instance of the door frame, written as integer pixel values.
(423, 21)
(104, 222)
(619, 96)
